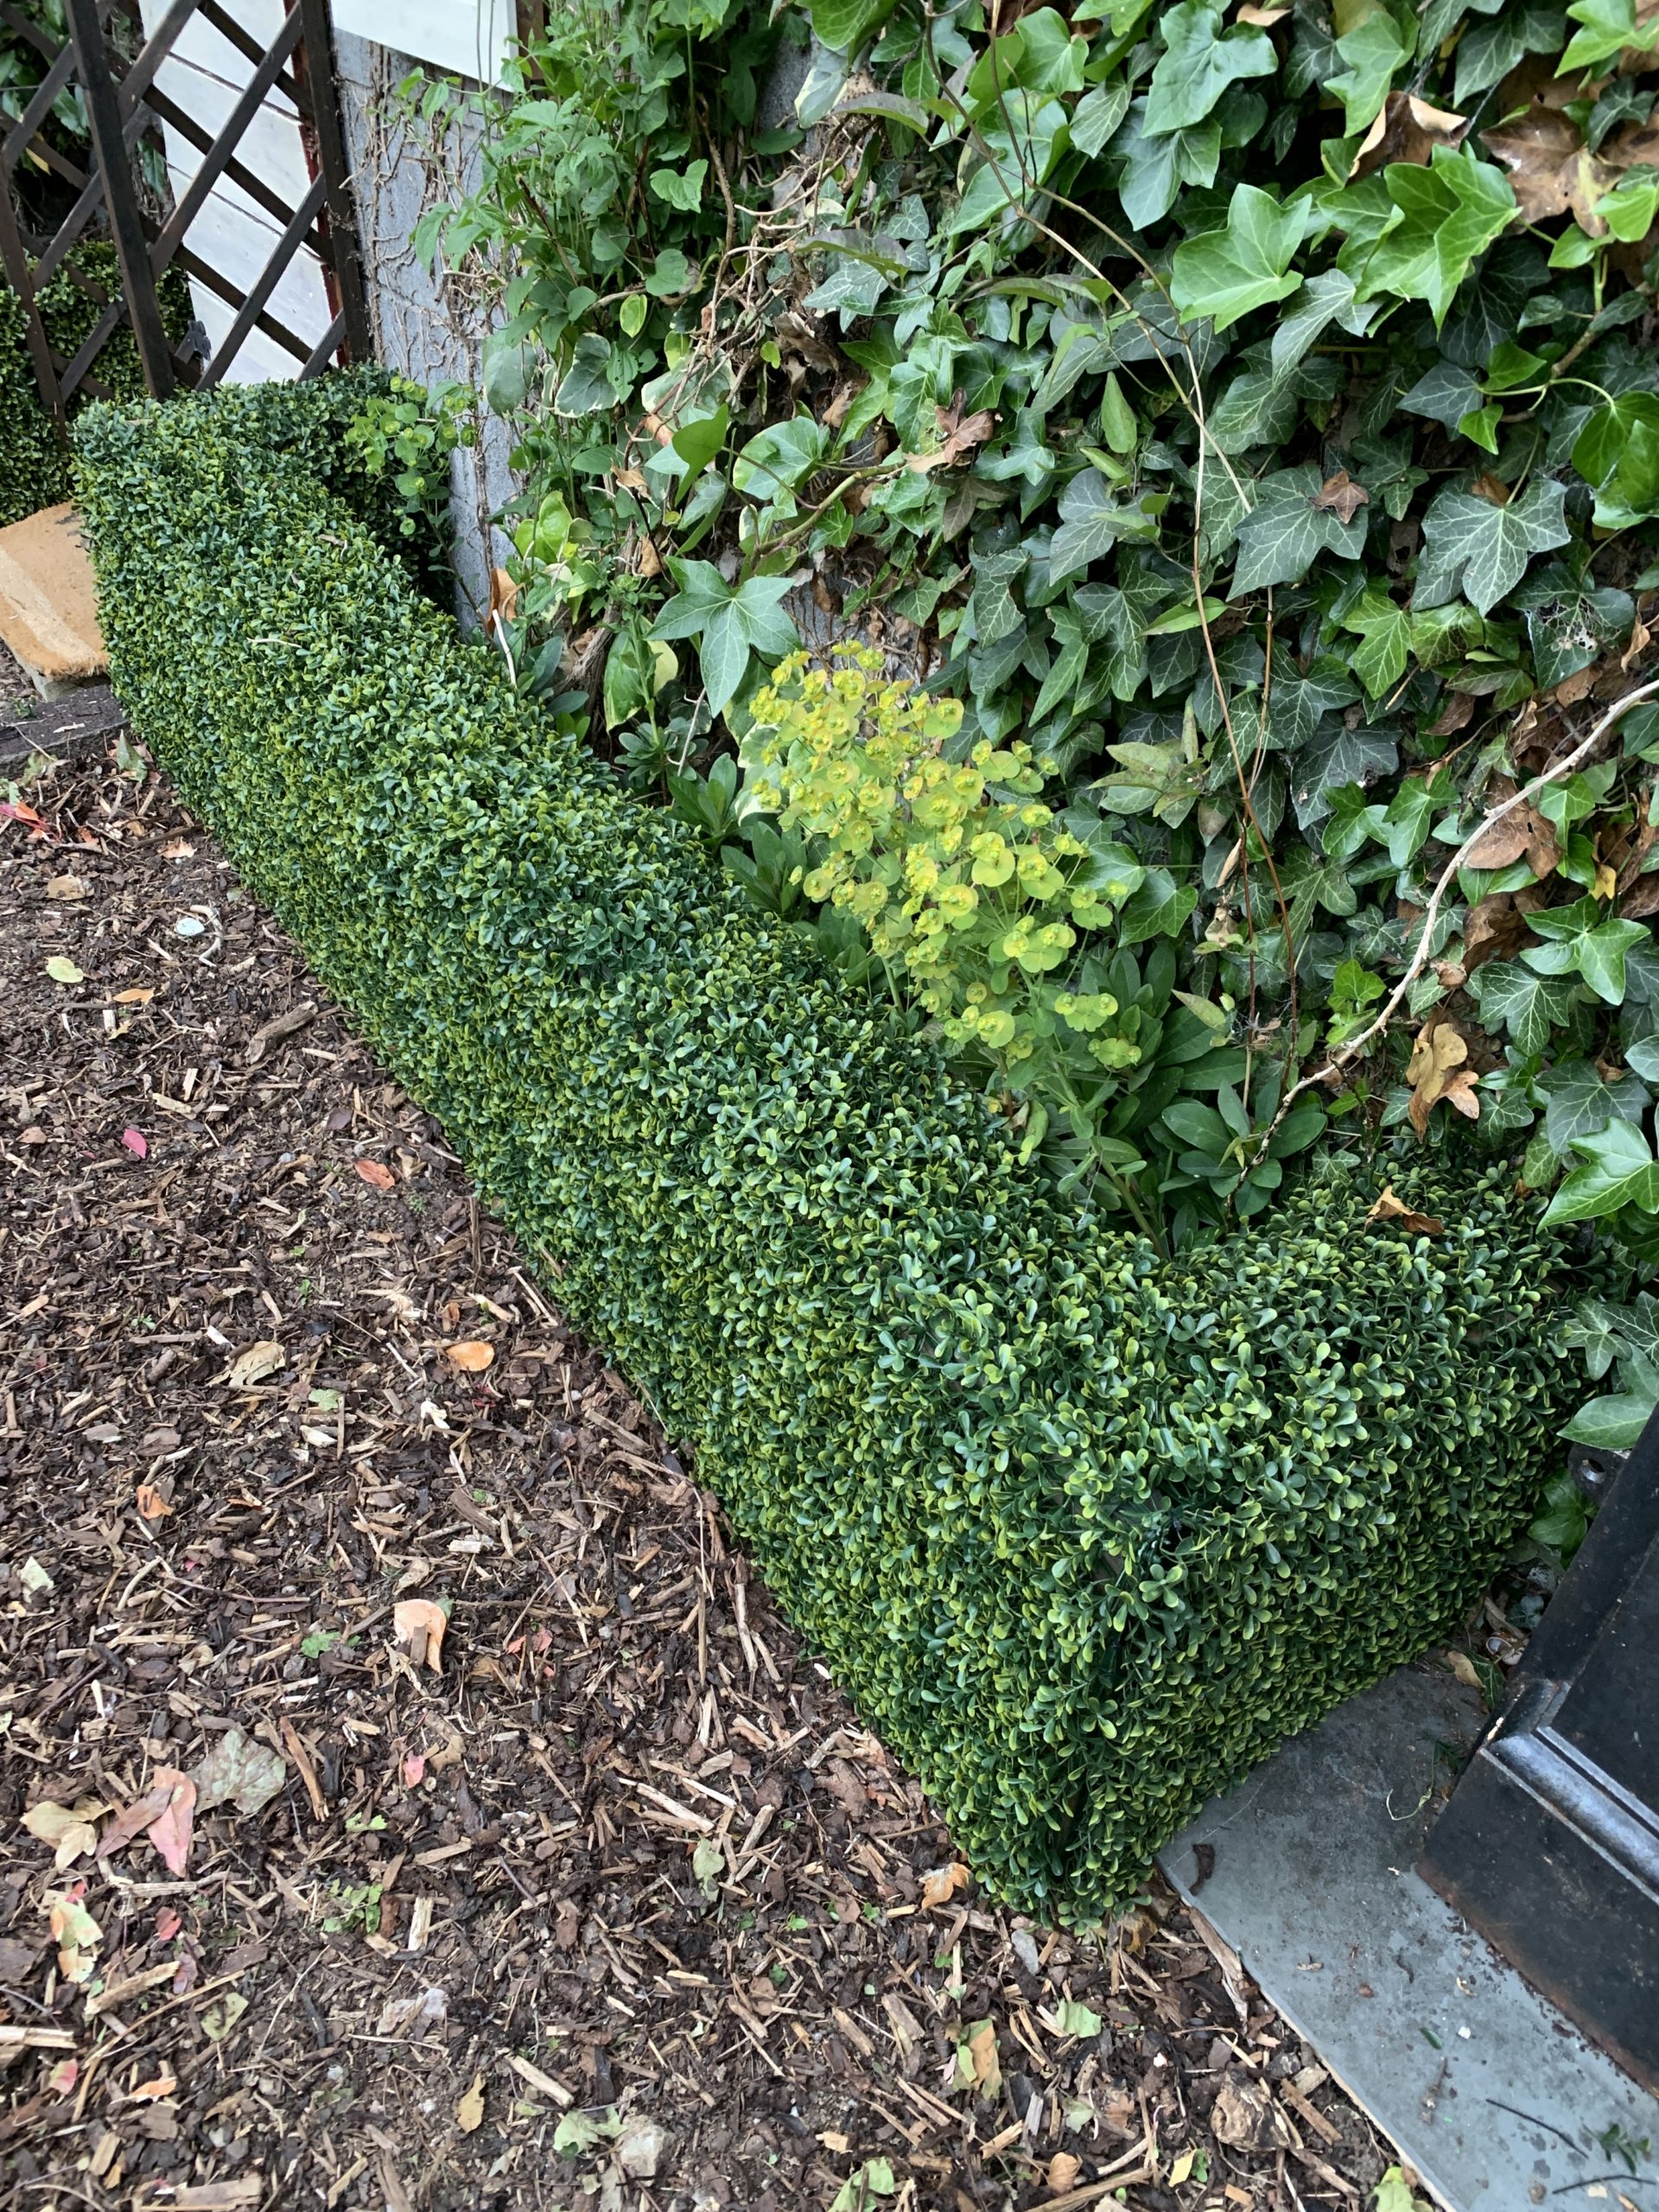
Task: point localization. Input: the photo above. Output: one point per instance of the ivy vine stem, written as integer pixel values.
(1339, 1061)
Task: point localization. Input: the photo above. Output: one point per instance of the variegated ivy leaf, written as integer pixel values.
(1482, 549)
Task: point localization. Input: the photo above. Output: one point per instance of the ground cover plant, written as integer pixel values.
(1083, 1528)
(1245, 426)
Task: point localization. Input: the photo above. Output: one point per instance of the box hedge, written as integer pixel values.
(1084, 1534)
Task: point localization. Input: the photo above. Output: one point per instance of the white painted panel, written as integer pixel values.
(206, 75)
(467, 36)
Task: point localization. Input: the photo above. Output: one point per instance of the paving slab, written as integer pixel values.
(1305, 1869)
(48, 601)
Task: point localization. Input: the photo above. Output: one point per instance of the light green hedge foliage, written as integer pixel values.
(1084, 1534)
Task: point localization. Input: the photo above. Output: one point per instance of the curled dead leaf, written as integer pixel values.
(151, 1505)
(960, 434)
(1435, 1072)
(1340, 496)
(380, 1177)
(257, 1362)
(171, 1831)
(472, 1354)
(1389, 1208)
(941, 1883)
(1407, 128)
(1550, 170)
(420, 1623)
(1063, 2169)
(469, 2113)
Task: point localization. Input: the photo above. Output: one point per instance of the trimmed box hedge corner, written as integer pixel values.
(1086, 1534)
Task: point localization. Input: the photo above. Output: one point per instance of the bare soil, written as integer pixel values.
(607, 1898)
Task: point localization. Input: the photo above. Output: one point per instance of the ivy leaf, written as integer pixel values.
(1155, 168)
(1578, 940)
(729, 621)
(1326, 298)
(1609, 26)
(1579, 1101)
(1484, 548)
(1347, 756)
(680, 188)
(1488, 51)
(1530, 1007)
(1283, 533)
(1610, 1424)
(1158, 908)
(1372, 53)
(1093, 519)
(586, 386)
(843, 25)
(1617, 1170)
(1097, 116)
(1380, 660)
(1440, 219)
(1198, 62)
(1224, 274)
(853, 286)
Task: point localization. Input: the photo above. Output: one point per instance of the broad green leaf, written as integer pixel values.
(698, 440)
(703, 591)
(680, 188)
(507, 365)
(1323, 299)
(1617, 1170)
(1579, 1101)
(776, 461)
(1371, 54)
(1610, 1424)
(1077, 2019)
(1094, 518)
(1379, 661)
(1488, 51)
(1280, 537)
(1224, 274)
(843, 25)
(1158, 908)
(1156, 167)
(1440, 218)
(1199, 62)
(1473, 544)
(63, 970)
(1608, 26)
(1618, 451)
(586, 386)
(1020, 153)
(1530, 1006)
(1097, 115)
(723, 655)
(759, 603)
(1578, 941)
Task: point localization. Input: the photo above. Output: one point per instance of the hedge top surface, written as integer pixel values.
(1085, 1532)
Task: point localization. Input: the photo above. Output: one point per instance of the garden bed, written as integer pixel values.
(606, 1651)
(1085, 1532)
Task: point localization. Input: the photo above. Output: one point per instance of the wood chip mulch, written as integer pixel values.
(408, 1800)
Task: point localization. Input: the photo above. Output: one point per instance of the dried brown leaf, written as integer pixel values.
(1340, 496)
(1407, 130)
(256, 1364)
(939, 1886)
(381, 1179)
(1389, 1208)
(420, 1623)
(472, 1354)
(1435, 1072)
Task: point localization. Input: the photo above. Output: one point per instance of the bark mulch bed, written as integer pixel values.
(607, 1898)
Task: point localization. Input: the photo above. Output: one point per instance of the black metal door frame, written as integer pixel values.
(123, 104)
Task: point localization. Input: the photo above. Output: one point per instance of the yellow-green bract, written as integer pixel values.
(1083, 1533)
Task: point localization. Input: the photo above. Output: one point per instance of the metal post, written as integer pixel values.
(323, 89)
(126, 227)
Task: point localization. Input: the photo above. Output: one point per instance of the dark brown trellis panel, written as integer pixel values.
(123, 104)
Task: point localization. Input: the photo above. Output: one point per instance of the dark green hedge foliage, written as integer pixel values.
(34, 461)
(1084, 1533)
